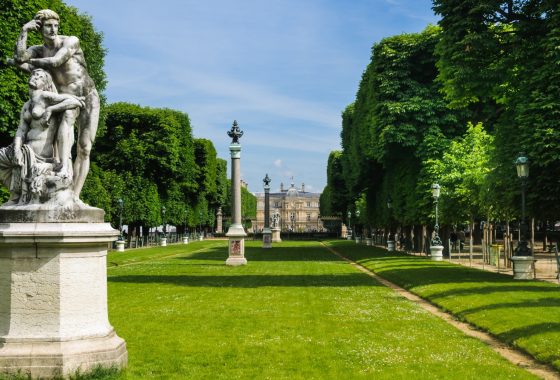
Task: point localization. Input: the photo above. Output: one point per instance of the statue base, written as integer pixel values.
(53, 299)
(276, 235)
(523, 267)
(436, 252)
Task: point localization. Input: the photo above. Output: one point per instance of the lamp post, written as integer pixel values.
(120, 240)
(349, 232)
(390, 240)
(121, 206)
(358, 239)
(185, 235)
(163, 242)
(436, 247)
(267, 233)
(200, 237)
(523, 255)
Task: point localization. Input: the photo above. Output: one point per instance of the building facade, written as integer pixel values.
(298, 210)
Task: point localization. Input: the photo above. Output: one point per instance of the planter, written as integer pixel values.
(390, 245)
(368, 241)
(120, 245)
(185, 240)
(163, 242)
(523, 267)
(436, 252)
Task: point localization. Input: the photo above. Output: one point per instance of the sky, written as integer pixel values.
(284, 69)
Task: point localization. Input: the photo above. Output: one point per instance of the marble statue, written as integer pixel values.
(32, 167)
(63, 58)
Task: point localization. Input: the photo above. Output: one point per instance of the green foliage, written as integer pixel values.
(398, 121)
(500, 60)
(13, 81)
(462, 174)
(153, 150)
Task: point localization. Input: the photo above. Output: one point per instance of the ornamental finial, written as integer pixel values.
(266, 180)
(235, 133)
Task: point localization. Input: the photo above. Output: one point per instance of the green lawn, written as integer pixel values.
(525, 314)
(296, 311)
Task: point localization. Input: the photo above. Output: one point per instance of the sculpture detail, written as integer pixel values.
(72, 100)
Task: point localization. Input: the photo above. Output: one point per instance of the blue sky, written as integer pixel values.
(284, 69)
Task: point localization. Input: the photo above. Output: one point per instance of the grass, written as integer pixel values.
(525, 314)
(295, 311)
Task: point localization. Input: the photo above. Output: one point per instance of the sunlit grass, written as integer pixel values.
(523, 313)
(294, 312)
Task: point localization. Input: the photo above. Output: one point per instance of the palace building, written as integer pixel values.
(298, 210)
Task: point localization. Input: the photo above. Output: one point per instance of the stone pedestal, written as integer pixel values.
(185, 240)
(343, 231)
(53, 299)
(200, 237)
(523, 267)
(120, 245)
(368, 241)
(276, 235)
(236, 249)
(267, 238)
(163, 242)
(390, 245)
(436, 252)
(358, 240)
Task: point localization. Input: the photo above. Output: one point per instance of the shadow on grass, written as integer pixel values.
(276, 253)
(540, 302)
(252, 281)
(529, 330)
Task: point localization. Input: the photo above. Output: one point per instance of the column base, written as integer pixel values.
(236, 251)
(267, 238)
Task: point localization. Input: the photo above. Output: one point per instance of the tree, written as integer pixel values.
(499, 60)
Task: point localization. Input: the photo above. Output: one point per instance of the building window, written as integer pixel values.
(308, 217)
(308, 204)
(277, 204)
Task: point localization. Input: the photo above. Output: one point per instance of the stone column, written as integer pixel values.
(267, 233)
(236, 232)
(219, 228)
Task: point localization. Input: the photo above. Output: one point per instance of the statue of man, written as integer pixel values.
(63, 58)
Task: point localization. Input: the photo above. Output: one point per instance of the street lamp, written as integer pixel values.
(390, 240)
(522, 166)
(121, 206)
(163, 220)
(200, 221)
(349, 232)
(436, 241)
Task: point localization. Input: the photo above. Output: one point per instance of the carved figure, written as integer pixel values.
(33, 163)
(63, 58)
